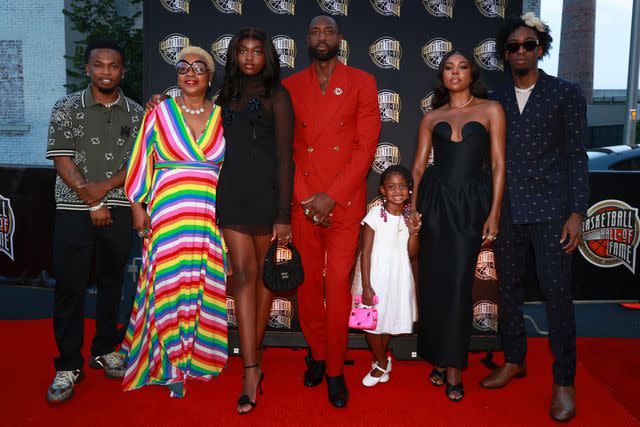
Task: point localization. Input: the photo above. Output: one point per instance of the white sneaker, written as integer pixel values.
(369, 380)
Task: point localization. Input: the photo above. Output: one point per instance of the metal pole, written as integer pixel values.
(632, 77)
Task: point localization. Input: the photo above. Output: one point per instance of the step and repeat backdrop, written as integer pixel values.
(400, 42)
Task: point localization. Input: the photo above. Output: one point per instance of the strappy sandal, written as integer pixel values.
(457, 388)
(436, 375)
(244, 400)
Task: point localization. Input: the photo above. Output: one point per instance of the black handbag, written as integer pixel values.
(282, 271)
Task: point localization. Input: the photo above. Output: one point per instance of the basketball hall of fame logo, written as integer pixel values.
(286, 48)
(485, 316)
(176, 6)
(334, 7)
(171, 46)
(486, 265)
(281, 314)
(374, 203)
(173, 92)
(439, 8)
(390, 106)
(386, 155)
(282, 7)
(343, 52)
(7, 227)
(435, 50)
(231, 312)
(387, 7)
(386, 53)
(229, 6)
(492, 8)
(425, 103)
(487, 56)
(611, 232)
(219, 48)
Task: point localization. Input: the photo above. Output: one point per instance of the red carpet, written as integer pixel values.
(607, 394)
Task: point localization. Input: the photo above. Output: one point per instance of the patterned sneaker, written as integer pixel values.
(112, 363)
(62, 387)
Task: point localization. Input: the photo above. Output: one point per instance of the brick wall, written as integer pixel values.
(32, 48)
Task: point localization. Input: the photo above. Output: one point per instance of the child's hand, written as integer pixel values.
(415, 222)
(367, 296)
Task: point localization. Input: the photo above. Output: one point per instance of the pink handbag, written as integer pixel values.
(362, 316)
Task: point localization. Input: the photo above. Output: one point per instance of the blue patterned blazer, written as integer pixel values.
(546, 164)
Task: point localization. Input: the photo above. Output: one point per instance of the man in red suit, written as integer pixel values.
(337, 122)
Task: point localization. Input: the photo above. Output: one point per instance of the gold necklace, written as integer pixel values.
(463, 105)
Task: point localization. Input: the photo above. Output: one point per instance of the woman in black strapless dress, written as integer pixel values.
(458, 201)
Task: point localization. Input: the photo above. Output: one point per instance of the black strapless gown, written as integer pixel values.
(454, 198)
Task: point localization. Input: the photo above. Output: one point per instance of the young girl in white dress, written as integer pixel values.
(385, 268)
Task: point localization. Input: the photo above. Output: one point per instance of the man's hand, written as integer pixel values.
(92, 192)
(317, 208)
(572, 230)
(101, 217)
(155, 99)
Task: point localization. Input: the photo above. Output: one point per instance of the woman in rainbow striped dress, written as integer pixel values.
(178, 326)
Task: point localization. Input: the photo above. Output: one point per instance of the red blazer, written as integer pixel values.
(335, 137)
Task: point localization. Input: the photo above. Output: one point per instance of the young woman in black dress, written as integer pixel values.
(459, 199)
(255, 187)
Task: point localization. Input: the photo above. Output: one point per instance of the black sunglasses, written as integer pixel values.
(198, 67)
(529, 46)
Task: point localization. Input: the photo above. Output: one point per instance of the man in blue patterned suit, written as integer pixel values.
(545, 202)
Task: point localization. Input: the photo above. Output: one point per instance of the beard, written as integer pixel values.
(331, 53)
(521, 71)
(106, 90)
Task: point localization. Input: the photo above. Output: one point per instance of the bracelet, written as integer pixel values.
(96, 207)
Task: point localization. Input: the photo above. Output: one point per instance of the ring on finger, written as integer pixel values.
(315, 218)
(306, 211)
(140, 234)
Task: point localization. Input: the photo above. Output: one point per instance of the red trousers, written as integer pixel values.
(325, 324)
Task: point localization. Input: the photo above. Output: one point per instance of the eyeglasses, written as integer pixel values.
(198, 67)
(529, 46)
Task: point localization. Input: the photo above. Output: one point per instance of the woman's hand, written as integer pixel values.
(282, 232)
(367, 295)
(141, 220)
(490, 229)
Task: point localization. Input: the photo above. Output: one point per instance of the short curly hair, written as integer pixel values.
(198, 51)
(512, 23)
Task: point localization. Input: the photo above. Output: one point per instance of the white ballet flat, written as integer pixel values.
(369, 380)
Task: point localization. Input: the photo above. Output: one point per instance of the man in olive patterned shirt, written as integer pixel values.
(91, 133)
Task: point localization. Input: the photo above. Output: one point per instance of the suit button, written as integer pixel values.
(349, 203)
(341, 123)
(310, 149)
(336, 148)
(304, 125)
(305, 173)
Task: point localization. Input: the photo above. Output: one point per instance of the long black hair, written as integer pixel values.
(440, 91)
(233, 82)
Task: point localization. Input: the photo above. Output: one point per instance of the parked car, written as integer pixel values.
(623, 158)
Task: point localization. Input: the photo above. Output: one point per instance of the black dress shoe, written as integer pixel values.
(315, 371)
(338, 393)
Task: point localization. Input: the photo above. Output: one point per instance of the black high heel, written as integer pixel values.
(244, 399)
(436, 375)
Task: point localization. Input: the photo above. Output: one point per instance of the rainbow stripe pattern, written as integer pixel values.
(178, 326)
